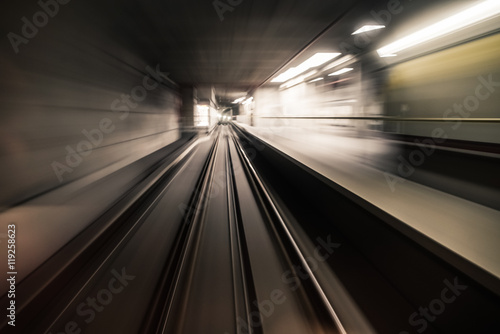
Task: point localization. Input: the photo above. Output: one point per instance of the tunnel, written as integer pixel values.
(250, 167)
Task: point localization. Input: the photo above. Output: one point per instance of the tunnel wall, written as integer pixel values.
(441, 118)
(319, 106)
(456, 85)
(76, 99)
(455, 88)
(314, 105)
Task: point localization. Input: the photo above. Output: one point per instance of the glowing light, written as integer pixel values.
(298, 80)
(202, 117)
(247, 101)
(315, 80)
(342, 71)
(367, 28)
(316, 60)
(239, 100)
(468, 17)
(338, 62)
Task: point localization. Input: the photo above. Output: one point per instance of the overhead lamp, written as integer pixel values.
(485, 10)
(239, 100)
(315, 80)
(342, 71)
(338, 62)
(247, 101)
(316, 60)
(298, 80)
(368, 27)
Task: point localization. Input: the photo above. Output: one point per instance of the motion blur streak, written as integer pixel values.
(62, 84)
(249, 167)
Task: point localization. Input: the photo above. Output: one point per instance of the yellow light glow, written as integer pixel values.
(468, 17)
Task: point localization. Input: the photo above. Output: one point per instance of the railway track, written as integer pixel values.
(217, 239)
(234, 259)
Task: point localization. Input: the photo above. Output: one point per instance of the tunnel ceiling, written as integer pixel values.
(236, 49)
(235, 45)
(243, 46)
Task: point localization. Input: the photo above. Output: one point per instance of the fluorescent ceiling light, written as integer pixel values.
(389, 55)
(292, 82)
(316, 60)
(239, 100)
(298, 80)
(475, 14)
(342, 71)
(367, 28)
(247, 101)
(338, 62)
(317, 79)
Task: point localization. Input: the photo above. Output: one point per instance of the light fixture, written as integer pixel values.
(247, 101)
(239, 100)
(468, 17)
(316, 60)
(342, 71)
(293, 82)
(202, 117)
(338, 62)
(368, 27)
(298, 80)
(315, 80)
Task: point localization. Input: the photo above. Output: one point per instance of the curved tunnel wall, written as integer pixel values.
(77, 98)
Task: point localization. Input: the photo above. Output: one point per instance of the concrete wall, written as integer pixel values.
(75, 99)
